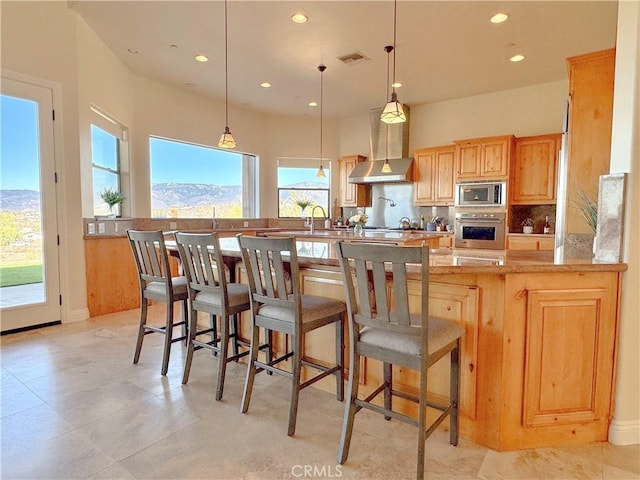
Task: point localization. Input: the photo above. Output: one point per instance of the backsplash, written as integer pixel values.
(535, 212)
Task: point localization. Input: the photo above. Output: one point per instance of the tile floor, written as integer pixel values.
(74, 407)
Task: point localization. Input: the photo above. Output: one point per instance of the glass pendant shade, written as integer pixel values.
(393, 111)
(386, 168)
(226, 139)
(320, 173)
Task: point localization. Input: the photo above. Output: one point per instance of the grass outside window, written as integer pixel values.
(20, 274)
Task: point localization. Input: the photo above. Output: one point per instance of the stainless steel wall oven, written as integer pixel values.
(476, 229)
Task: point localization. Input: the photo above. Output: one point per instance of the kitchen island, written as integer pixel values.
(538, 357)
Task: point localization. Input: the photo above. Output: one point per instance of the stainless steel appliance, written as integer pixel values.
(478, 229)
(481, 194)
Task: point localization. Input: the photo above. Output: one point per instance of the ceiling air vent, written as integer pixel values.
(354, 58)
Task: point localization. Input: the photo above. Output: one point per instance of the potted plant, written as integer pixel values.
(303, 203)
(112, 198)
(527, 225)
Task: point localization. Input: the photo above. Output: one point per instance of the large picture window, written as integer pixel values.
(298, 185)
(194, 181)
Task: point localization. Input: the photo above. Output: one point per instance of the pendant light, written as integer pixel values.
(393, 112)
(226, 139)
(386, 168)
(320, 172)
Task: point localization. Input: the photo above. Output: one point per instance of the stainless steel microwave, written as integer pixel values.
(481, 194)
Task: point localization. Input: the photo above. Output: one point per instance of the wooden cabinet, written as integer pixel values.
(446, 241)
(483, 158)
(534, 170)
(591, 79)
(112, 278)
(530, 242)
(559, 362)
(433, 174)
(352, 194)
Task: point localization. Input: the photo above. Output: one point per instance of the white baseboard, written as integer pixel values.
(624, 432)
(76, 315)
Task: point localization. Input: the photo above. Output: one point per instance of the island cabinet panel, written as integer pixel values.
(558, 364)
(112, 278)
(483, 158)
(433, 174)
(352, 194)
(533, 176)
(563, 350)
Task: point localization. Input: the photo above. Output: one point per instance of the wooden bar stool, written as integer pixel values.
(387, 331)
(210, 292)
(274, 307)
(156, 283)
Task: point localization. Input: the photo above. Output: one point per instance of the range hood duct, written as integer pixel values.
(392, 138)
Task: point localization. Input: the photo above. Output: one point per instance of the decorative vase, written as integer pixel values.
(358, 230)
(527, 229)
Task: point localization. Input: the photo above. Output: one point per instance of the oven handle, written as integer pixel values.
(485, 220)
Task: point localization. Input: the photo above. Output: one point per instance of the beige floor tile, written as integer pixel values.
(76, 407)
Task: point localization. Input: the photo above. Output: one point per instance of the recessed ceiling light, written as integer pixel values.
(133, 51)
(265, 85)
(313, 104)
(396, 85)
(190, 84)
(173, 45)
(517, 58)
(499, 18)
(299, 18)
(201, 58)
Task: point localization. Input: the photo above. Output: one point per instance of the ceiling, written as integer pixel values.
(445, 49)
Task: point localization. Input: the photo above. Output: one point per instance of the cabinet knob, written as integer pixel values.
(471, 367)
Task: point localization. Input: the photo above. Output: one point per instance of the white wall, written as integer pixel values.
(39, 40)
(625, 157)
(103, 81)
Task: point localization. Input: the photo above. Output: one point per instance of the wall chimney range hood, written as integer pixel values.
(387, 141)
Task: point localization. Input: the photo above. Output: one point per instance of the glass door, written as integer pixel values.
(29, 277)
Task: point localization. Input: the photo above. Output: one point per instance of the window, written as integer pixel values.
(109, 153)
(299, 183)
(194, 181)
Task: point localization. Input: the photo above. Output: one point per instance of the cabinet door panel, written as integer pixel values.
(469, 161)
(423, 176)
(495, 159)
(565, 356)
(444, 184)
(534, 176)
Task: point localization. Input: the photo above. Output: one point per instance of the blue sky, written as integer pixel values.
(19, 151)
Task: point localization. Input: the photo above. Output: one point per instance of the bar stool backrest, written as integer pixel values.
(265, 262)
(202, 263)
(370, 302)
(152, 261)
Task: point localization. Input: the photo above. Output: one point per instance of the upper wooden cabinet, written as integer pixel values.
(483, 158)
(591, 79)
(352, 194)
(533, 173)
(433, 174)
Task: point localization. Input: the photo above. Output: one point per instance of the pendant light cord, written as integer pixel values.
(226, 70)
(395, 24)
(322, 69)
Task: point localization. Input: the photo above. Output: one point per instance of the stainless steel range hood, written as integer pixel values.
(387, 141)
(371, 172)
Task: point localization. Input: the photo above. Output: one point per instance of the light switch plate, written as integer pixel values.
(101, 227)
(91, 228)
(173, 225)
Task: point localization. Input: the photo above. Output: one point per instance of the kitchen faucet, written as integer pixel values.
(311, 227)
(391, 202)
